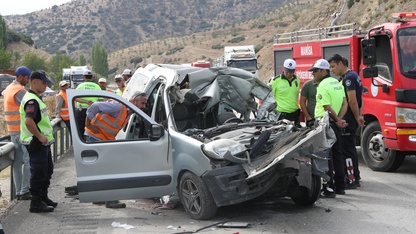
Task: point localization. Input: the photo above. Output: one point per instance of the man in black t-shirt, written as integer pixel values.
(353, 91)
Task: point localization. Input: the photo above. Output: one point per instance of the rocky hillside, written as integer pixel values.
(258, 31)
(291, 16)
(74, 27)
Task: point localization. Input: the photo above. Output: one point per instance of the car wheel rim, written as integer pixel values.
(376, 148)
(191, 197)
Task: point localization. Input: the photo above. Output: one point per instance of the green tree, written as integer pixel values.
(99, 60)
(3, 34)
(34, 62)
(5, 59)
(57, 63)
(82, 60)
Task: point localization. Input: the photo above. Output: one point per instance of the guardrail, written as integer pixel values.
(61, 145)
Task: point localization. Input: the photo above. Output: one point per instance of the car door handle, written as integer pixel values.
(89, 156)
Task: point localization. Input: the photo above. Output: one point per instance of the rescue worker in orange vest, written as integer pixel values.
(105, 119)
(13, 95)
(61, 110)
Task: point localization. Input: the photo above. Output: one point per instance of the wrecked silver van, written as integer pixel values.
(203, 138)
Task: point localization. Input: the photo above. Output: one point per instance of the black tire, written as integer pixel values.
(196, 198)
(375, 154)
(303, 196)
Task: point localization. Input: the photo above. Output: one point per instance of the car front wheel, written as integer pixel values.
(196, 197)
(304, 196)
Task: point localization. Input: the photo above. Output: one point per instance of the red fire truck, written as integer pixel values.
(385, 58)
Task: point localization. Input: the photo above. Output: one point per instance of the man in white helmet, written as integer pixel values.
(285, 89)
(120, 83)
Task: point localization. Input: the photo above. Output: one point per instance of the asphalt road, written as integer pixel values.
(384, 204)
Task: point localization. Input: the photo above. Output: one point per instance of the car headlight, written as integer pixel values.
(405, 115)
(225, 149)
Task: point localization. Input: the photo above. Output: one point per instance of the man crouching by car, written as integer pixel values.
(104, 120)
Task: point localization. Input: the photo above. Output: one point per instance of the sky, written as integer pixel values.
(19, 7)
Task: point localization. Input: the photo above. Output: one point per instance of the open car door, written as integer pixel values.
(137, 165)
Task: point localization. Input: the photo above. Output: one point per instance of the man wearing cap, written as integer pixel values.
(13, 95)
(61, 110)
(120, 83)
(102, 82)
(37, 134)
(84, 103)
(353, 91)
(126, 75)
(105, 119)
(286, 90)
(330, 97)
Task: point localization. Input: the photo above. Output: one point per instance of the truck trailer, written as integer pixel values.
(243, 57)
(385, 58)
(74, 75)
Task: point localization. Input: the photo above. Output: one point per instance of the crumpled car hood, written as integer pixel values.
(285, 142)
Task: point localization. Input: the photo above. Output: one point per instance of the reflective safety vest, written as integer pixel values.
(44, 125)
(120, 91)
(64, 113)
(108, 125)
(11, 109)
(88, 85)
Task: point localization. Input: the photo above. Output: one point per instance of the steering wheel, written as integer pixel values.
(233, 120)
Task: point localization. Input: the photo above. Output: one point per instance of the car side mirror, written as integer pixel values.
(156, 131)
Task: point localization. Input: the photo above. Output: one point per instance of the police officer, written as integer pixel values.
(353, 91)
(13, 95)
(37, 134)
(286, 90)
(84, 103)
(330, 97)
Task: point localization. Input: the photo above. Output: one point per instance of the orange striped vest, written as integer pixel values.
(64, 113)
(11, 109)
(108, 125)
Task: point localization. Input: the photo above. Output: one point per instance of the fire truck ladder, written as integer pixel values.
(317, 33)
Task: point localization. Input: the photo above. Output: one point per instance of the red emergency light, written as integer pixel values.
(403, 15)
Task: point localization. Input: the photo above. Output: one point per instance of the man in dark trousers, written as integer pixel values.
(330, 97)
(84, 103)
(353, 92)
(37, 134)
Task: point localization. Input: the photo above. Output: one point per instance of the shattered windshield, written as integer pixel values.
(248, 65)
(407, 51)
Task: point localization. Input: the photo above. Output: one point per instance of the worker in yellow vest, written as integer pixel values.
(84, 103)
(36, 133)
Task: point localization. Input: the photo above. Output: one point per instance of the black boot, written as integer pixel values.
(38, 206)
(48, 201)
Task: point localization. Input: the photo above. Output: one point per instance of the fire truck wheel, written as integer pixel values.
(375, 153)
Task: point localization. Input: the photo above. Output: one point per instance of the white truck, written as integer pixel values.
(243, 57)
(74, 75)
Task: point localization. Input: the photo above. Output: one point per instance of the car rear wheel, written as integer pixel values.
(196, 197)
(375, 153)
(304, 196)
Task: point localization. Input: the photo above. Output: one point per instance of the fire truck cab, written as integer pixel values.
(385, 59)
